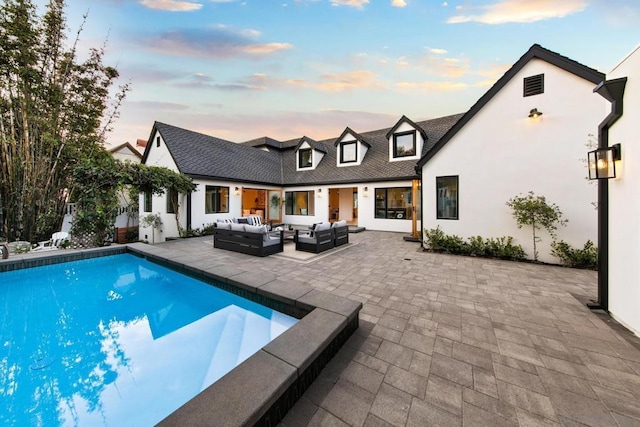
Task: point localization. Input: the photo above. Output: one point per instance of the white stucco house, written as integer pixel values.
(368, 179)
(528, 132)
(619, 280)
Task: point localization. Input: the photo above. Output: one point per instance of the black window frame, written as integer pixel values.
(457, 198)
(157, 141)
(148, 201)
(395, 144)
(382, 210)
(289, 203)
(533, 85)
(300, 153)
(172, 195)
(342, 145)
(216, 191)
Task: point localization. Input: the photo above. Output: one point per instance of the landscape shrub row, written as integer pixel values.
(587, 257)
(501, 247)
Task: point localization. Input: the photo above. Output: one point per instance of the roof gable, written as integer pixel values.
(405, 119)
(318, 146)
(535, 52)
(129, 147)
(357, 136)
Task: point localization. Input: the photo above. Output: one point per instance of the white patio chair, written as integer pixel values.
(56, 241)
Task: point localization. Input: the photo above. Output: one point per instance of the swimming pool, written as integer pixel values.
(118, 340)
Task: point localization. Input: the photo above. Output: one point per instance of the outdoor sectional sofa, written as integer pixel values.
(247, 239)
(322, 237)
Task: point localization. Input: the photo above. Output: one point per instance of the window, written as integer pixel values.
(147, 201)
(533, 85)
(447, 197)
(299, 202)
(349, 152)
(157, 141)
(216, 199)
(304, 158)
(393, 203)
(172, 201)
(404, 144)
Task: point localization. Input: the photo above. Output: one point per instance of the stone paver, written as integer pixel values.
(449, 340)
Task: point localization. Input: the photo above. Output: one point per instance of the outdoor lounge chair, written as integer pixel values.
(317, 240)
(56, 242)
(340, 233)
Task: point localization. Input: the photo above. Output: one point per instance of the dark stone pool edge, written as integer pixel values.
(264, 387)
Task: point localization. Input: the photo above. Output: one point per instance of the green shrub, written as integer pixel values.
(207, 230)
(435, 239)
(477, 246)
(502, 247)
(587, 257)
(438, 241)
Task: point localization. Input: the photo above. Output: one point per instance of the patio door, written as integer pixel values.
(274, 206)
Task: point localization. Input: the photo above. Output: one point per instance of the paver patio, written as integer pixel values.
(450, 340)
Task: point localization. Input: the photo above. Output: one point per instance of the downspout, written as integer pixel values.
(189, 211)
(612, 91)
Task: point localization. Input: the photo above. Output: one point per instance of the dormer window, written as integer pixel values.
(406, 141)
(404, 144)
(351, 149)
(309, 153)
(349, 152)
(305, 158)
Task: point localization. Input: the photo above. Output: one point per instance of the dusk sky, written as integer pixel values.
(241, 69)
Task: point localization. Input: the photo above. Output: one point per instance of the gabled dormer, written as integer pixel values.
(350, 148)
(309, 153)
(406, 140)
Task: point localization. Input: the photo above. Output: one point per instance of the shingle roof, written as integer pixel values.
(535, 51)
(264, 141)
(202, 156)
(375, 166)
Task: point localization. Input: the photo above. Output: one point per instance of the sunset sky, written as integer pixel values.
(241, 69)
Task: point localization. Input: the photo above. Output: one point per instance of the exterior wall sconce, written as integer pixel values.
(534, 113)
(365, 191)
(319, 192)
(236, 191)
(602, 162)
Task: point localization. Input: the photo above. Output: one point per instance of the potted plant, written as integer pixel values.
(275, 201)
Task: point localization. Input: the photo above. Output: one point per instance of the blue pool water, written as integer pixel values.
(117, 341)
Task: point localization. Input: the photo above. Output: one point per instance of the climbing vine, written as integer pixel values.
(99, 178)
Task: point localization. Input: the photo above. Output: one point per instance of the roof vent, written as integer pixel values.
(533, 85)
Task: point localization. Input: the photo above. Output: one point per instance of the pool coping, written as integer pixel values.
(264, 387)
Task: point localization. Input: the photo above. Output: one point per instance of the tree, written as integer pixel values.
(535, 211)
(54, 114)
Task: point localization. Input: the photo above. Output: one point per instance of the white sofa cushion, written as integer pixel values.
(224, 225)
(237, 227)
(323, 226)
